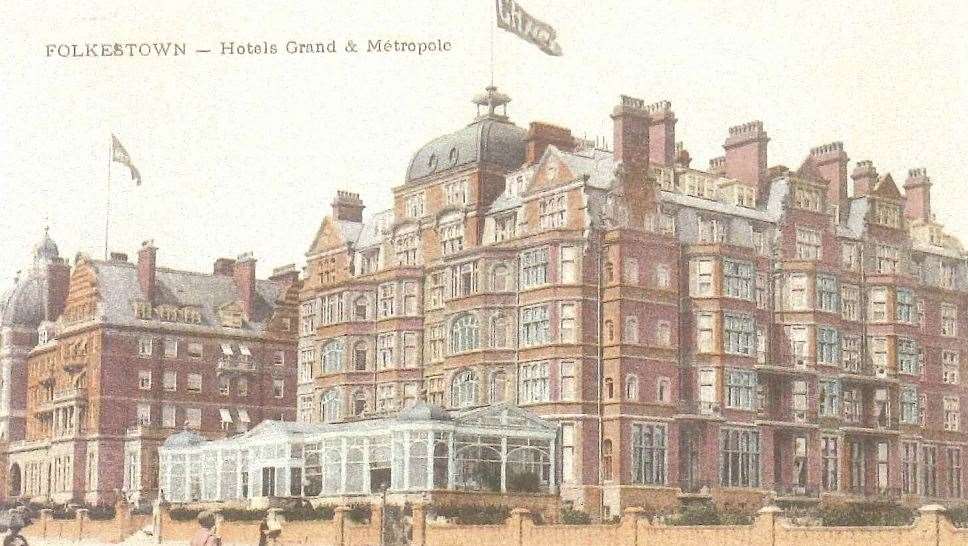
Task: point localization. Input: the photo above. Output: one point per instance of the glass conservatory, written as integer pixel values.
(500, 448)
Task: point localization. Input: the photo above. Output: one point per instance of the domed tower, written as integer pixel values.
(37, 296)
(464, 171)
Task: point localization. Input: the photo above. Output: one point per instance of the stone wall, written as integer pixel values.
(769, 528)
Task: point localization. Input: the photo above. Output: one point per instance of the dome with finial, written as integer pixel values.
(25, 304)
(490, 139)
(46, 250)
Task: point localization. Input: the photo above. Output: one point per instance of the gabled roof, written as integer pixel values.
(886, 188)
(335, 233)
(505, 415)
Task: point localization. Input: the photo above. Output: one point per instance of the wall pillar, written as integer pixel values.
(419, 524)
(46, 516)
(159, 519)
(80, 517)
(339, 525)
(928, 523)
(519, 525)
(630, 525)
(764, 525)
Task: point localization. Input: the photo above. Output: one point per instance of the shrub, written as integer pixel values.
(101, 512)
(959, 515)
(184, 514)
(309, 513)
(471, 514)
(242, 514)
(698, 514)
(570, 516)
(865, 513)
(524, 482)
(359, 512)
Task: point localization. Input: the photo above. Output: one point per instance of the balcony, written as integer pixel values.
(226, 365)
(777, 415)
(62, 398)
(786, 364)
(695, 409)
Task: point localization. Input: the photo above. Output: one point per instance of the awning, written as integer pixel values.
(226, 415)
(244, 350)
(227, 349)
(244, 416)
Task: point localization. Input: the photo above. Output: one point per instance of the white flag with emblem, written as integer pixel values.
(512, 18)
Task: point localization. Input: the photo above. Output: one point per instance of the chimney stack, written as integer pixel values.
(348, 206)
(717, 165)
(245, 282)
(541, 135)
(831, 162)
(865, 177)
(287, 274)
(147, 258)
(746, 155)
(917, 195)
(662, 133)
(58, 283)
(630, 132)
(224, 266)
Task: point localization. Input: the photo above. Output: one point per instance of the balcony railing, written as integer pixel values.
(227, 365)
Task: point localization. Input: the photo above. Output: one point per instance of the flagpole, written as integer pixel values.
(107, 207)
(493, 26)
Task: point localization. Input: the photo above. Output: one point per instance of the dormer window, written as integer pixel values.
(808, 199)
(887, 214)
(504, 227)
(414, 205)
(551, 211)
(455, 192)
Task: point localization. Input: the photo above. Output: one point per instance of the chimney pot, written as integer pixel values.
(662, 133)
(746, 155)
(244, 273)
(630, 132)
(541, 135)
(147, 263)
(348, 206)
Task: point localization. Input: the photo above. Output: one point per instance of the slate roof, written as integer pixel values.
(119, 287)
(486, 140)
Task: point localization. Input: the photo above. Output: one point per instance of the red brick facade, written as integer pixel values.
(739, 333)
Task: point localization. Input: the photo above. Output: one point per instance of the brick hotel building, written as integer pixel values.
(735, 333)
(131, 352)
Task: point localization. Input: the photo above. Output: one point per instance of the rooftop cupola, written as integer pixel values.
(492, 104)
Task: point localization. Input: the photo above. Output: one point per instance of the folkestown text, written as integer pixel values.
(247, 47)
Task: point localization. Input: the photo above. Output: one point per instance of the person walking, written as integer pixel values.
(205, 536)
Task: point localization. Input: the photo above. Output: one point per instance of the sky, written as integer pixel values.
(244, 153)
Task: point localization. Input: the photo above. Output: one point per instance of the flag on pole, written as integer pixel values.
(512, 18)
(120, 155)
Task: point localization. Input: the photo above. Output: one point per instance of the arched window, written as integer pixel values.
(329, 406)
(332, 357)
(497, 387)
(632, 388)
(631, 334)
(464, 334)
(609, 388)
(662, 277)
(499, 278)
(360, 308)
(663, 334)
(359, 403)
(499, 331)
(607, 459)
(463, 389)
(609, 330)
(608, 272)
(360, 353)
